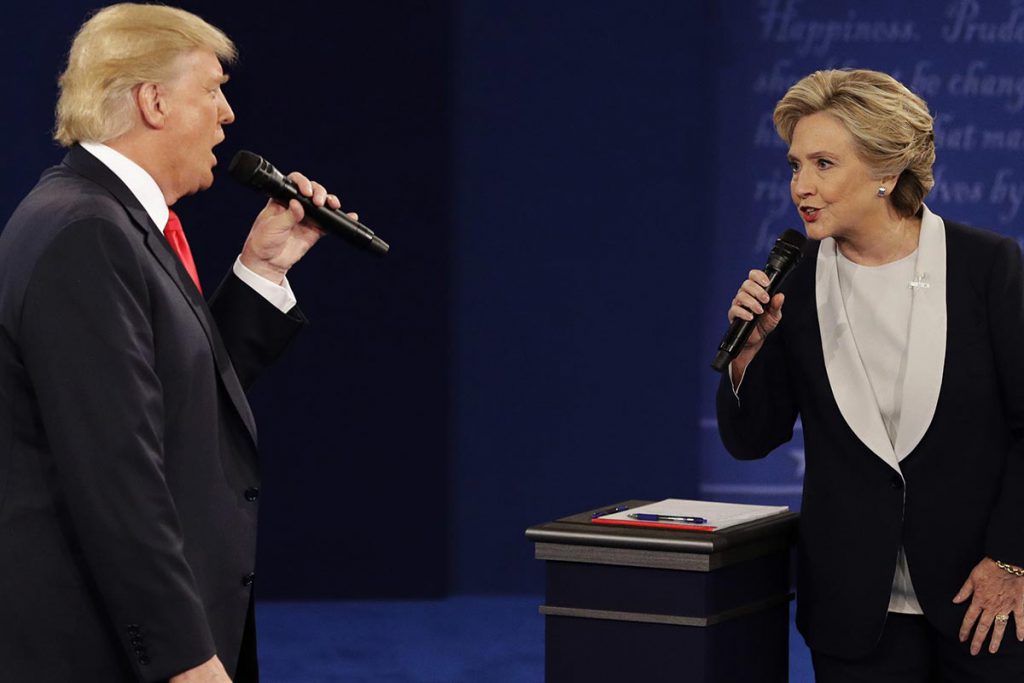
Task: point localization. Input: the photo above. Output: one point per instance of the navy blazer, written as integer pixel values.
(128, 464)
(956, 497)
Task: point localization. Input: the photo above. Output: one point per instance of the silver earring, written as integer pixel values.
(881, 191)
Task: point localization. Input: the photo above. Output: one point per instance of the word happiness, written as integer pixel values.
(781, 23)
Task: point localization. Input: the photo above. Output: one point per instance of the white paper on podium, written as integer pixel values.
(718, 515)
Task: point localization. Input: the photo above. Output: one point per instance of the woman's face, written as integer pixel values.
(833, 189)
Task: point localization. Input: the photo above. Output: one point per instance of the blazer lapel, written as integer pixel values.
(846, 374)
(87, 165)
(926, 346)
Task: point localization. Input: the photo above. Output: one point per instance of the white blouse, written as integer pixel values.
(878, 302)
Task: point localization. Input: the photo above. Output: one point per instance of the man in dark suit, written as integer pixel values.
(128, 468)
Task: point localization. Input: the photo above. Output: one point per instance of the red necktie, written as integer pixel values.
(176, 238)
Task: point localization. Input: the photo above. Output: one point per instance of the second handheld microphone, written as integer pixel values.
(256, 172)
(781, 260)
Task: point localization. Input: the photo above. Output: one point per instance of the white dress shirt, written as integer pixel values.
(145, 189)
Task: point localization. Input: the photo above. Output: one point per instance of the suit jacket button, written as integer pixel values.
(248, 579)
(252, 494)
(897, 482)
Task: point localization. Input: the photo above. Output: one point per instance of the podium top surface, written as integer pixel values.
(578, 529)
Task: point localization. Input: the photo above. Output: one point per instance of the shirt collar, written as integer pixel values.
(138, 181)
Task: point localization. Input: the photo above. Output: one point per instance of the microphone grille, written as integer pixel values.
(792, 237)
(244, 165)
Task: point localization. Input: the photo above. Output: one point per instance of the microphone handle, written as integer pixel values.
(331, 220)
(739, 330)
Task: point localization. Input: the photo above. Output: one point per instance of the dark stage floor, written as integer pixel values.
(467, 639)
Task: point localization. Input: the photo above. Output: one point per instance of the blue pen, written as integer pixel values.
(602, 513)
(643, 517)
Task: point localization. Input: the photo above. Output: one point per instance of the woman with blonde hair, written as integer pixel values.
(899, 353)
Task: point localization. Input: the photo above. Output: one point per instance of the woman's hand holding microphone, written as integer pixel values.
(752, 301)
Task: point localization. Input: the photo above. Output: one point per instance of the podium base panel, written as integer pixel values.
(750, 649)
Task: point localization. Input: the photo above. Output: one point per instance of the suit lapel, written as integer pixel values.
(88, 166)
(170, 262)
(926, 346)
(846, 374)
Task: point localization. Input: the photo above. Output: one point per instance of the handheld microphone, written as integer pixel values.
(258, 173)
(783, 257)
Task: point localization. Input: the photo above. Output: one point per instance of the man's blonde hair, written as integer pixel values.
(117, 49)
(891, 127)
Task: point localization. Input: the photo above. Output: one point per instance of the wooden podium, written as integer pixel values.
(625, 604)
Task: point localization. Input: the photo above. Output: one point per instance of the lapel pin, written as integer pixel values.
(919, 282)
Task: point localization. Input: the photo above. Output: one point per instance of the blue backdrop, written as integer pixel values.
(573, 191)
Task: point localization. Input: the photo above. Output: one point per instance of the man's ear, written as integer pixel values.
(152, 104)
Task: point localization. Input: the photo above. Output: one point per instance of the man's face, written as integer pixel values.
(196, 113)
